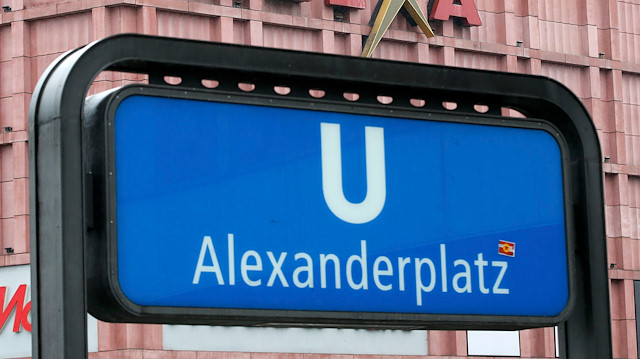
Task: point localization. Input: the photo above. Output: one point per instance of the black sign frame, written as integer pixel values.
(63, 214)
(107, 301)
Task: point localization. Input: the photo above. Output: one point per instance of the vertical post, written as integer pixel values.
(587, 332)
(57, 251)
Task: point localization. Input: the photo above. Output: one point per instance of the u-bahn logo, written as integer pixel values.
(464, 10)
(371, 206)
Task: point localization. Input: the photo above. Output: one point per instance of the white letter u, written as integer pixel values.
(372, 205)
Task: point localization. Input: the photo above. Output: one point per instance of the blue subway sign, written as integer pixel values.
(241, 206)
(286, 189)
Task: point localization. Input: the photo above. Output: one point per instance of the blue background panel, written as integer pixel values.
(188, 169)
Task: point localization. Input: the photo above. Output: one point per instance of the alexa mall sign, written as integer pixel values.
(442, 10)
(387, 10)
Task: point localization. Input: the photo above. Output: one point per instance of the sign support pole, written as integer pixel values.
(57, 207)
(587, 333)
(57, 250)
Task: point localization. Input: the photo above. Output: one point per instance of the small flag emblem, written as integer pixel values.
(507, 248)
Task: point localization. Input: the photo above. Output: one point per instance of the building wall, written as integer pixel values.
(592, 46)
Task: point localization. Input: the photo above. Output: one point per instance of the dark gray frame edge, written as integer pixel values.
(105, 107)
(55, 148)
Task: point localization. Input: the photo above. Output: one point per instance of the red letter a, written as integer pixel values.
(466, 10)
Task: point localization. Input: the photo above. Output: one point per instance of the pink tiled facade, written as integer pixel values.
(592, 46)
